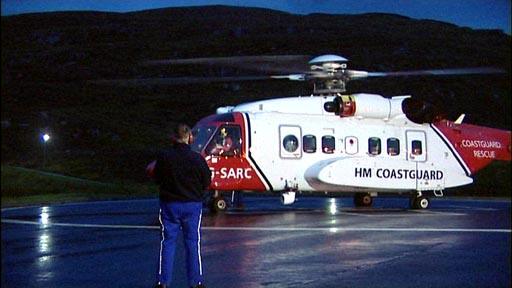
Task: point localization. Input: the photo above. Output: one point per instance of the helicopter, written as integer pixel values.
(334, 142)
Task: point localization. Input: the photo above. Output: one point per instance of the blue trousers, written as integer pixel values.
(173, 217)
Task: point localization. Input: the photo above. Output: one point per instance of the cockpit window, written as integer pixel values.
(201, 135)
(226, 142)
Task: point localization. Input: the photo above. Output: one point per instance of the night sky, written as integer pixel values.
(487, 14)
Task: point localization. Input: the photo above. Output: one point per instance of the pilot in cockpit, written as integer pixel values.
(224, 144)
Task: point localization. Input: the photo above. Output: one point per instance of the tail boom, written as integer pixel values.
(476, 146)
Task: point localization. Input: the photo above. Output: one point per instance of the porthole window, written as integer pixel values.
(309, 143)
(393, 145)
(374, 147)
(290, 143)
(328, 144)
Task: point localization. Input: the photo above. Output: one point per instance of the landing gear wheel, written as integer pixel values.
(219, 204)
(420, 202)
(363, 200)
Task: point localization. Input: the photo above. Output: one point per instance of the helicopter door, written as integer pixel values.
(416, 152)
(289, 142)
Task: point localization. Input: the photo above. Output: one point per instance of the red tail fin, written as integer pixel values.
(478, 146)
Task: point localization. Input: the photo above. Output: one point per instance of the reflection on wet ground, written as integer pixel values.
(317, 242)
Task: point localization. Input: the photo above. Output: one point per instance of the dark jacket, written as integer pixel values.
(182, 174)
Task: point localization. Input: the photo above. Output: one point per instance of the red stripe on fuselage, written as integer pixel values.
(478, 146)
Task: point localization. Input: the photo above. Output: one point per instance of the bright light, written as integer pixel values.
(46, 137)
(333, 207)
(45, 215)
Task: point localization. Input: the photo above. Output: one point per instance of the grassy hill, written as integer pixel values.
(109, 134)
(21, 186)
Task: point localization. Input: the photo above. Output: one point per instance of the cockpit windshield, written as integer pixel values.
(201, 136)
(226, 142)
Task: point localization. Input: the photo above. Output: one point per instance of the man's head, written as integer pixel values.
(182, 134)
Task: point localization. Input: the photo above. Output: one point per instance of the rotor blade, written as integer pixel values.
(439, 72)
(227, 60)
(293, 77)
(270, 63)
(174, 81)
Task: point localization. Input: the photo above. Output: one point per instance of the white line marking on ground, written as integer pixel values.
(437, 213)
(473, 208)
(242, 228)
(402, 214)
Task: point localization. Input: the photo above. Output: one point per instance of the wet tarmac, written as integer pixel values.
(317, 242)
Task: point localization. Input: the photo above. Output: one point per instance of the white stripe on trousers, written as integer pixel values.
(199, 243)
(161, 242)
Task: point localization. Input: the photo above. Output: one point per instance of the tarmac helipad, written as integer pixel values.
(317, 242)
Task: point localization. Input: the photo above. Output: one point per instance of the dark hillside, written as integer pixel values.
(110, 132)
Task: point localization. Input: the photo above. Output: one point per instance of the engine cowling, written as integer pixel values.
(420, 111)
(366, 106)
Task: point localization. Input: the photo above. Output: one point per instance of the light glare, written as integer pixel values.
(332, 207)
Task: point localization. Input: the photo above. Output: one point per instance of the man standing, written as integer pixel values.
(183, 176)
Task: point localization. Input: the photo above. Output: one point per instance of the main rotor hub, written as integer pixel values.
(328, 72)
(328, 58)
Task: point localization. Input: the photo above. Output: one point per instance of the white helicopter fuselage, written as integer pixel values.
(350, 164)
(298, 144)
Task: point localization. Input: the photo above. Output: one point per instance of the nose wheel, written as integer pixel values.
(217, 202)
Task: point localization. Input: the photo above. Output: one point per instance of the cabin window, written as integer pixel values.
(328, 144)
(290, 143)
(374, 146)
(393, 145)
(226, 142)
(416, 147)
(309, 143)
